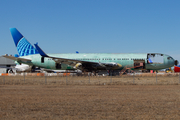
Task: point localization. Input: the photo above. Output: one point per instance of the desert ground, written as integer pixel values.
(139, 79)
(101, 98)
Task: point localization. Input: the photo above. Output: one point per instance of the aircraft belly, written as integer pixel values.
(126, 63)
(155, 66)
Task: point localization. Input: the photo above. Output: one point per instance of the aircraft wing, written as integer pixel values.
(17, 58)
(76, 63)
(71, 62)
(61, 60)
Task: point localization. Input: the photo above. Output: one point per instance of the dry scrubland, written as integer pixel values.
(56, 99)
(139, 79)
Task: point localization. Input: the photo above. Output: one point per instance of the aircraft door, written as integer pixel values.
(42, 59)
(139, 64)
(58, 66)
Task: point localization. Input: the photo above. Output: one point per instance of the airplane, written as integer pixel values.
(22, 68)
(177, 68)
(88, 62)
(18, 68)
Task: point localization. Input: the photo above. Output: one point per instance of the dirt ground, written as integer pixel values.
(54, 102)
(150, 79)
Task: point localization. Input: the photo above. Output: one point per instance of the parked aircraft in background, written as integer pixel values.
(18, 68)
(28, 68)
(86, 61)
(177, 68)
(23, 68)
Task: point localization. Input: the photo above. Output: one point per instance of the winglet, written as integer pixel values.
(41, 52)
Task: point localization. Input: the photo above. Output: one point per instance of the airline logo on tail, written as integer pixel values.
(24, 48)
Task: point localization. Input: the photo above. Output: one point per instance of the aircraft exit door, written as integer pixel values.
(139, 64)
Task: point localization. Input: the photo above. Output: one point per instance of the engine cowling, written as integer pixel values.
(78, 66)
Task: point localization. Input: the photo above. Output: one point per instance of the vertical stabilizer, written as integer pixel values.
(24, 48)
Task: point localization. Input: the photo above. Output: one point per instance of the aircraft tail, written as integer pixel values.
(24, 48)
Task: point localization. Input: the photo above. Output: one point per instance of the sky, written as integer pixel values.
(93, 26)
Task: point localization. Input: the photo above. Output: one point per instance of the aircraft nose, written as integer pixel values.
(176, 62)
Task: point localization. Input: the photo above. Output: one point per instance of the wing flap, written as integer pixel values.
(17, 58)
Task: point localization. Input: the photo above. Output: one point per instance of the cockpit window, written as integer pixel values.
(169, 58)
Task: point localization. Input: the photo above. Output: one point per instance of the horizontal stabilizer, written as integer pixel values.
(17, 58)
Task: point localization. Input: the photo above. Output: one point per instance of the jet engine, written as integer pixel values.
(78, 66)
